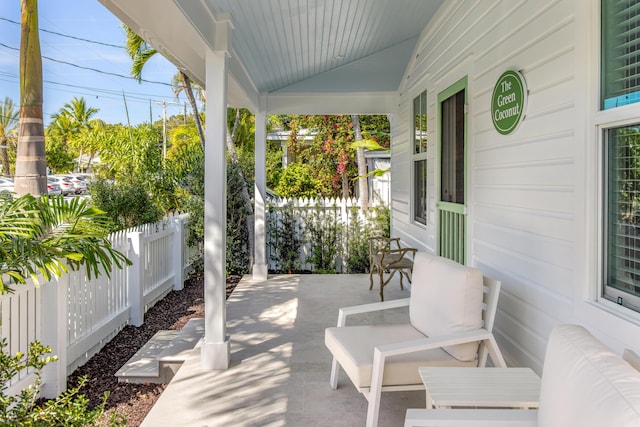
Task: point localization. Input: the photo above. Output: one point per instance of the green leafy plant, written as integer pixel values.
(127, 205)
(49, 236)
(288, 244)
(297, 180)
(358, 233)
(69, 409)
(237, 234)
(357, 247)
(323, 233)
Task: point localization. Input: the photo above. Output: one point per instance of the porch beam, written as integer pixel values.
(332, 103)
(260, 257)
(215, 348)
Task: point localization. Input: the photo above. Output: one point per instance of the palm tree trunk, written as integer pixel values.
(6, 171)
(194, 106)
(345, 185)
(79, 165)
(31, 164)
(363, 183)
(245, 191)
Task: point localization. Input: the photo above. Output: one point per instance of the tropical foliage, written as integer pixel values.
(327, 166)
(48, 236)
(71, 134)
(8, 126)
(126, 204)
(26, 410)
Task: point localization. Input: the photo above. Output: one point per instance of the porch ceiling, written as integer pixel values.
(286, 47)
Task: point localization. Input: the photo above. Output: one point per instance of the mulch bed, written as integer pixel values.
(134, 401)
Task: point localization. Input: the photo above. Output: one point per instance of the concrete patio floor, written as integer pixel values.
(279, 373)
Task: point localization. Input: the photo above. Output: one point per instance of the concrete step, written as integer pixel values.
(161, 357)
(174, 355)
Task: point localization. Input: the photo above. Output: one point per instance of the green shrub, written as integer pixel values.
(237, 232)
(323, 234)
(358, 234)
(127, 205)
(357, 256)
(70, 409)
(288, 244)
(297, 180)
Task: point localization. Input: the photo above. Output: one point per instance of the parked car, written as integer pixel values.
(64, 182)
(53, 187)
(6, 184)
(79, 182)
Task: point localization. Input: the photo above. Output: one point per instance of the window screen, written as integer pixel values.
(620, 52)
(420, 159)
(622, 216)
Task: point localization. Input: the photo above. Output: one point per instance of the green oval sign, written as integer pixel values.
(508, 102)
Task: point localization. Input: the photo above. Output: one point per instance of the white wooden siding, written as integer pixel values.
(520, 188)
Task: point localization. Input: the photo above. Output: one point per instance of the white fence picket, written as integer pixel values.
(19, 312)
(96, 310)
(340, 210)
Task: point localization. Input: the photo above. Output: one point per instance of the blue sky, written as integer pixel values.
(85, 19)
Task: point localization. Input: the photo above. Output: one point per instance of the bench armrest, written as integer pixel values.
(396, 255)
(382, 352)
(344, 312)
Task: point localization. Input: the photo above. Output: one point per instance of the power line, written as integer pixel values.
(68, 36)
(115, 93)
(109, 73)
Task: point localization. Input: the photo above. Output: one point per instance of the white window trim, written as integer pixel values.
(417, 157)
(601, 120)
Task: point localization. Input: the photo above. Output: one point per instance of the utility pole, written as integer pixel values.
(164, 126)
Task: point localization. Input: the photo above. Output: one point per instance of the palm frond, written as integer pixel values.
(49, 236)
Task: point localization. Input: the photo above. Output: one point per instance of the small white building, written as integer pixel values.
(379, 183)
(544, 199)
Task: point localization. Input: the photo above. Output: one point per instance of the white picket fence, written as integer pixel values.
(77, 317)
(342, 211)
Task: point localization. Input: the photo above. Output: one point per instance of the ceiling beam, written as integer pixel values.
(331, 103)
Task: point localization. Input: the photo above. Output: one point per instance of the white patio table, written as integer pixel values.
(481, 387)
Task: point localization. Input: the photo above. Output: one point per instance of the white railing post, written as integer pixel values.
(178, 254)
(54, 325)
(136, 279)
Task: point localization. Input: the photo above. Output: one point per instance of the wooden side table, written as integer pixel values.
(481, 387)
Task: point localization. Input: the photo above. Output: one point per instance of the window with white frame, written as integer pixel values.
(420, 159)
(620, 86)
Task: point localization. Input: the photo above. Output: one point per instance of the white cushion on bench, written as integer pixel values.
(446, 297)
(353, 347)
(585, 384)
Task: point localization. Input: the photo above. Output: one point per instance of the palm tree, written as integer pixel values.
(31, 164)
(50, 236)
(8, 121)
(91, 138)
(181, 83)
(62, 127)
(76, 116)
(78, 112)
(140, 52)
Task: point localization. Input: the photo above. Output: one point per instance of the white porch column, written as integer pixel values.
(260, 267)
(215, 348)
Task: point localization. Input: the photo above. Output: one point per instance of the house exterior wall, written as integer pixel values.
(532, 209)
